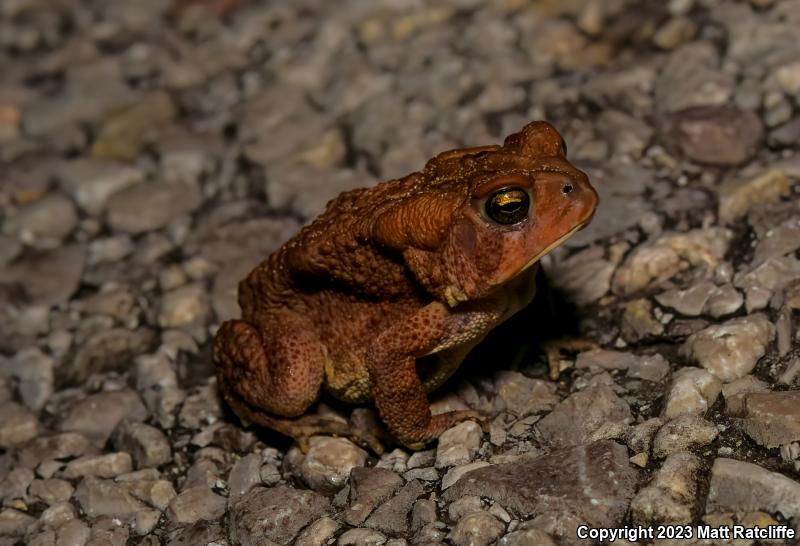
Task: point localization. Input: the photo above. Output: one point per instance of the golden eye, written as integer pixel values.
(508, 206)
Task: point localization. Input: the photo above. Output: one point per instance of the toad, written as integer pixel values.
(383, 295)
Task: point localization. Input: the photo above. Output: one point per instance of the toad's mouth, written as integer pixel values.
(553, 246)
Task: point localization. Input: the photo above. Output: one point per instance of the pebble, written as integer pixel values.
(361, 537)
(716, 135)
(17, 425)
(522, 395)
(684, 432)
(671, 494)
(662, 259)
(150, 206)
(97, 416)
(91, 183)
(650, 368)
(732, 349)
(739, 486)
(476, 529)
(693, 391)
(245, 475)
(458, 445)
(194, 504)
(45, 222)
(51, 491)
(148, 446)
(108, 465)
(772, 419)
(50, 277)
(328, 463)
(318, 533)
(736, 392)
(737, 196)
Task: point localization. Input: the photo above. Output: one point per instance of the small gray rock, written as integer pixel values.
(328, 463)
(392, 516)
(739, 486)
(458, 445)
(107, 465)
(573, 421)
(683, 432)
(476, 529)
(194, 504)
(772, 419)
(17, 425)
(693, 390)
(105, 498)
(595, 483)
(98, 415)
(148, 446)
(731, 350)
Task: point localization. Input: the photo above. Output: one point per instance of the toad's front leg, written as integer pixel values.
(391, 360)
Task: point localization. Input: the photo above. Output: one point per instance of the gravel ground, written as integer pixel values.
(152, 154)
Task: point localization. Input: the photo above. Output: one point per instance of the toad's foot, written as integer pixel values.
(301, 429)
(555, 347)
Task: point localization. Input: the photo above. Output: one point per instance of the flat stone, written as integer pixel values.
(105, 498)
(458, 445)
(392, 516)
(245, 475)
(107, 465)
(107, 350)
(684, 432)
(98, 415)
(650, 368)
(693, 390)
(328, 463)
(51, 491)
(361, 537)
(126, 131)
(150, 206)
(736, 392)
(522, 395)
(574, 420)
(274, 515)
(14, 523)
(318, 533)
(760, 283)
(772, 419)
(194, 504)
(739, 486)
(56, 446)
(17, 425)
(594, 482)
(732, 349)
(714, 135)
(605, 359)
(91, 183)
(737, 196)
(369, 487)
(457, 472)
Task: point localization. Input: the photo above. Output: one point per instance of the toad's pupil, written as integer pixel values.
(508, 206)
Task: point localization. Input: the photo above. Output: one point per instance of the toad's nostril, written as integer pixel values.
(566, 189)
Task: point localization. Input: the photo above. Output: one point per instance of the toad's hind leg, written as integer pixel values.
(274, 391)
(280, 373)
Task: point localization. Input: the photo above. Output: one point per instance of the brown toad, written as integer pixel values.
(423, 266)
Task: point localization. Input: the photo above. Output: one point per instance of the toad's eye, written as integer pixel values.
(508, 206)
